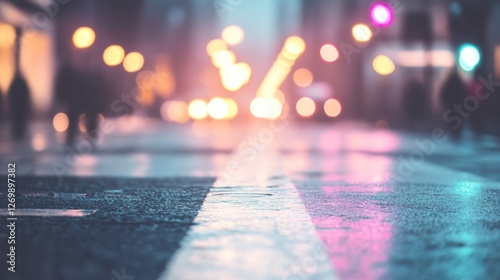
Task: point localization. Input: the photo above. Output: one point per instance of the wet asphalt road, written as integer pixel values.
(381, 209)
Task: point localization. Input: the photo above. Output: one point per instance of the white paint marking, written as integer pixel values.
(48, 212)
(254, 227)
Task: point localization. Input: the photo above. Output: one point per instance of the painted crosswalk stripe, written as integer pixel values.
(253, 226)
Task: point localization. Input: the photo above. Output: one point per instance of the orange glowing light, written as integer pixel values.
(145, 97)
(329, 53)
(305, 107)
(113, 55)
(175, 111)
(303, 77)
(361, 33)
(60, 122)
(218, 108)
(233, 35)
(198, 109)
(83, 37)
(280, 96)
(133, 62)
(8, 36)
(216, 45)
(332, 108)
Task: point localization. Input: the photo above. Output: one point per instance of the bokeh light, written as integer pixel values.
(361, 33)
(218, 108)
(233, 77)
(233, 35)
(280, 96)
(266, 108)
(332, 108)
(381, 14)
(383, 65)
(175, 111)
(233, 108)
(113, 55)
(133, 62)
(83, 37)
(303, 77)
(469, 57)
(60, 122)
(305, 107)
(223, 58)
(8, 37)
(329, 53)
(216, 45)
(294, 46)
(198, 109)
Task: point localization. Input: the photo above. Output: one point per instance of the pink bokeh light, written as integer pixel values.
(381, 14)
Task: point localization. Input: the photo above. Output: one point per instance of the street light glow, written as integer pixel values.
(329, 53)
(133, 62)
(113, 55)
(383, 65)
(233, 35)
(361, 33)
(83, 37)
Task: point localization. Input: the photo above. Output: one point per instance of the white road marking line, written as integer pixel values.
(254, 227)
(48, 212)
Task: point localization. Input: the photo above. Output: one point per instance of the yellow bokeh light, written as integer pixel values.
(83, 37)
(133, 62)
(233, 108)
(198, 109)
(294, 46)
(383, 65)
(218, 108)
(175, 111)
(233, 35)
(223, 58)
(60, 122)
(332, 108)
(305, 107)
(303, 77)
(266, 108)
(216, 45)
(8, 37)
(246, 70)
(361, 33)
(113, 55)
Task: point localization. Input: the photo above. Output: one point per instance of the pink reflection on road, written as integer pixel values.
(357, 239)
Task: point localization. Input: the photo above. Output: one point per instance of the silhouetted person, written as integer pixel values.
(453, 94)
(18, 96)
(82, 92)
(415, 103)
(477, 117)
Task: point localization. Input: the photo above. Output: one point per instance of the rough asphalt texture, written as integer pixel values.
(138, 227)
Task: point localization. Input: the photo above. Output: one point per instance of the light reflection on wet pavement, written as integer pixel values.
(435, 222)
(379, 212)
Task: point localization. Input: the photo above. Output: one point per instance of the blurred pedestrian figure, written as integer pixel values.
(82, 92)
(70, 89)
(18, 95)
(477, 117)
(453, 94)
(415, 103)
